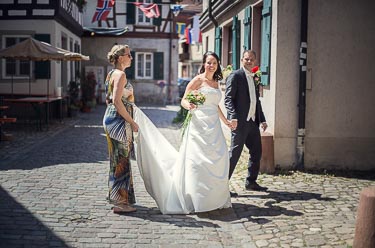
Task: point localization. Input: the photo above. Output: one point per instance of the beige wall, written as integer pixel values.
(280, 102)
(145, 89)
(340, 116)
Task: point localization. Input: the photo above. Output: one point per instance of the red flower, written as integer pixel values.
(255, 69)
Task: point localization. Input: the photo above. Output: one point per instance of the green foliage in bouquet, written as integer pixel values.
(196, 98)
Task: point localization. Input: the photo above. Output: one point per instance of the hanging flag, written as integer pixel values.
(151, 10)
(103, 8)
(195, 30)
(187, 35)
(180, 27)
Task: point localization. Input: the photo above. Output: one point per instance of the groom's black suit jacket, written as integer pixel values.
(237, 98)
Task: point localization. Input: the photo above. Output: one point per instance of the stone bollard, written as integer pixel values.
(267, 162)
(365, 227)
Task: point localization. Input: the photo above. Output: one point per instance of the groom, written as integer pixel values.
(246, 114)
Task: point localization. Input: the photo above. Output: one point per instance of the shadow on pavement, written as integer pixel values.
(246, 212)
(180, 220)
(367, 175)
(280, 196)
(258, 215)
(20, 228)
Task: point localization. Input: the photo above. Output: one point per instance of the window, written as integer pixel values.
(230, 47)
(144, 65)
(12, 67)
(141, 18)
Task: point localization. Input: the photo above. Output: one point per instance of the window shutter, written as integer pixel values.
(157, 21)
(236, 33)
(42, 68)
(247, 29)
(130, 13)
(158, 65)
(266, 41)
(218, 41)
(130, 71)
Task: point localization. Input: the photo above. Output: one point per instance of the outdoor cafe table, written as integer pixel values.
(37, 103)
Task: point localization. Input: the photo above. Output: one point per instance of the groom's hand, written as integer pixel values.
(264, 126)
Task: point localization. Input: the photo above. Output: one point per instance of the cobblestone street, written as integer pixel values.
(53, 188)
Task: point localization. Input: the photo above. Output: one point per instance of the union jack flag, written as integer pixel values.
(151, 10)
(103, 8)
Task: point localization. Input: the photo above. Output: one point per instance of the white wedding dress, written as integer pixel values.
(195, 178)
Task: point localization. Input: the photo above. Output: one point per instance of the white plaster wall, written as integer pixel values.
(281, 100)
(31, 27)
(340, 116)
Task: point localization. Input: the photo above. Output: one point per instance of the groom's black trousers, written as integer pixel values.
(247, 133)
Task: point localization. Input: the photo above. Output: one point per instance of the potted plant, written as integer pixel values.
(88, 92)
(74, 102)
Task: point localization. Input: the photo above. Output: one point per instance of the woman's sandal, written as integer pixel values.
(118, 209)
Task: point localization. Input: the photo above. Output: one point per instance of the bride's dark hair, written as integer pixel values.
(218, 75)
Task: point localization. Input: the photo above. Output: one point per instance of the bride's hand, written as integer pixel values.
(192, 106)
(134, 126)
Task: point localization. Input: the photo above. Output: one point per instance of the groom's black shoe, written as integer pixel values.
(233, 194)
(256, 187)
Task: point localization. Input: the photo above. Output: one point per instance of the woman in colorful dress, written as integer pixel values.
(119, 127)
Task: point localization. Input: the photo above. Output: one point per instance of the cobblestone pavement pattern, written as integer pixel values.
(54, 184)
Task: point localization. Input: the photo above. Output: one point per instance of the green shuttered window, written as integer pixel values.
(236, 36)
(247, 29)
(158, 65)
(130, 71)
(266, 41)
(218, 41)
(130, 13)
(157, 21)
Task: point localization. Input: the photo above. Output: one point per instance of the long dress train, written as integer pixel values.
(195, 178)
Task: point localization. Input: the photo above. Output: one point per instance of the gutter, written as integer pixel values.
(302, 88)
(210, 15)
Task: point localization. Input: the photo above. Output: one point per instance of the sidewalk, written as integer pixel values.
(53, 194)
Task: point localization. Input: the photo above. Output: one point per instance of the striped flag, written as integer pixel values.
(188, 35)
(103, 8)
(150, 10)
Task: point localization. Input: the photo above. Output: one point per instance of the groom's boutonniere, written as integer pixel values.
(196, 98)
(257, 75)
(257, 79)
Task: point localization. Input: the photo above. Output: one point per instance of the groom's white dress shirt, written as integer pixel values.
(253, 102)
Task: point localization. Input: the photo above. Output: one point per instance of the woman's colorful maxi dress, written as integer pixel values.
(120, 147)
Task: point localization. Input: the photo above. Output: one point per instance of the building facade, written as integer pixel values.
(56, 22)
(316, 59)
(153, 43)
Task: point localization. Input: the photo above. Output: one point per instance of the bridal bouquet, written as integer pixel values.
(196, 98)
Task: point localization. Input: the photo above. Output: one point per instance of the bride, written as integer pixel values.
(195, 178)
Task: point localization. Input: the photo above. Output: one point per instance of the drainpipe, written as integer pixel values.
(302, 88)
(210, 15)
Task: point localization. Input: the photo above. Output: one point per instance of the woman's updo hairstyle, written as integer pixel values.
(116, 52)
